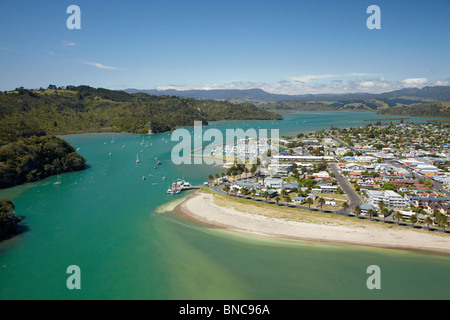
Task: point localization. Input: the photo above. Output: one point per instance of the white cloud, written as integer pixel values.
(413, 82)
(6, 49)
(444, 82)
(309, 78)
(305, 85)
(67, 44)
(99, 65)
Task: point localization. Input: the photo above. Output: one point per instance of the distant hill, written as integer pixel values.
(286, 103)
(440, 93)
(439, 109)
(84, 109)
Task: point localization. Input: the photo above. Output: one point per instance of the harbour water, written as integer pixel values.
(121, 231)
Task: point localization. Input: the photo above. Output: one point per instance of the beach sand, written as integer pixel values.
(291, 223)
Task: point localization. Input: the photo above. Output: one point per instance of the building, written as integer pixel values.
(298, 200)
(389, 197)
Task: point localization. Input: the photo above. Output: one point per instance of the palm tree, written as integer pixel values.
(277, 199)
(309, 201)
(216, 176)
(357, 210)
(443, 221)
(345, 207)
(321, 202)
(381, 204)
(253, 192)
(235, 190)
(413, 219)
(384, 211)
(266, 195)
(227, 188)
(370, 212)
(210, 177)
(398, 216)
(428, 221)
(287, 199)
(246, 172)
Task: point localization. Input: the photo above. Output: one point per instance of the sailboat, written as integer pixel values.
(137, 158)
(58, 180)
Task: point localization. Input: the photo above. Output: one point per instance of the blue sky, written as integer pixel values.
(290, 47)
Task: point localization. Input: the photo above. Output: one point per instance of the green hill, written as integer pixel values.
(439, 109)
(84, 109)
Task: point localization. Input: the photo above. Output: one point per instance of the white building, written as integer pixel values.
(389, 197)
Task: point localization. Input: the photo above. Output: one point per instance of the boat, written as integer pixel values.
(137, 158)
(58, 181)
(174, 189)
(143, 178)
(159, 162)
(183, 185)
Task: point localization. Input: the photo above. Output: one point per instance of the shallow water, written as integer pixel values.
(128, 244)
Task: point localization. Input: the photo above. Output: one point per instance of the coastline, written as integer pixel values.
(201, 207)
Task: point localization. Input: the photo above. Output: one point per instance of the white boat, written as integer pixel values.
(137, 158)
(183, 185)
(58, 181)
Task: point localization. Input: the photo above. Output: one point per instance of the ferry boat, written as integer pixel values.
(183, 185)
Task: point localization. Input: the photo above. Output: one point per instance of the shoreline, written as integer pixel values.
(200, 208)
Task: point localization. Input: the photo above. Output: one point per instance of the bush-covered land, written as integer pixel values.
(84, 109)
(8, 219)
(430, 109)
(35, 158)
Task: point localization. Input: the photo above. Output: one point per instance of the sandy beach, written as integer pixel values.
(290, 223)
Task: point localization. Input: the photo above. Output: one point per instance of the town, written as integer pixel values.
(393, 173)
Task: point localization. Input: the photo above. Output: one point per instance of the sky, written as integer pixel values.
(280, 46)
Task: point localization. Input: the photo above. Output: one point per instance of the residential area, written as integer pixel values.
(394, 173)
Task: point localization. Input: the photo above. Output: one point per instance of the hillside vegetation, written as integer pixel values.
(439, 109)
(84, 109)
(35, 158)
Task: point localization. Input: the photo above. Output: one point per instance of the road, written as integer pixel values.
(355, 200)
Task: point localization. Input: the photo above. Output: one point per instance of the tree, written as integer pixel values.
(388, 186)
(413, 219)
(226, 188)
(8, 218)
(266, 195)
(287, 198)
(216, 176)
(357, 210)
(246, 172)
(370, 212)
(345, 207)
(309, 201)
(398, 216)
(443, 221)
(277, 199)
(210, 177)
(321, 202)
(253, 192)
(384, 211)
(428, 221)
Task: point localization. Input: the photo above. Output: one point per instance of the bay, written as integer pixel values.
(122, 233)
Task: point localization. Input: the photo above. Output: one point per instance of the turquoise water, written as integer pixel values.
(123, 235)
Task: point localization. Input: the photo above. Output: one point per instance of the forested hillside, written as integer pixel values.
(430, 109)
(84, 109)
(35, 158)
